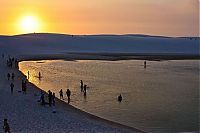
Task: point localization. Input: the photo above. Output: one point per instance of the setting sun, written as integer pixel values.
(29, 24)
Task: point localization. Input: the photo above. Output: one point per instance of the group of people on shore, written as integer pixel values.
(12, 62)
(12, 76)
(51, 98)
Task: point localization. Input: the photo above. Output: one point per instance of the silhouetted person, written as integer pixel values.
(53, 99)
(28, 74)
(16, 63)
(11, 87)
(145, 64)
(25, 86)
(2, 55)
(39, 75)
(22, 86)
(68, 95)
(50, 97)
(12, 76)
(42, 100)
(8, 76)
(85, 89)
(120, 98)
(61, 94)
(6, 126)
(81, 85)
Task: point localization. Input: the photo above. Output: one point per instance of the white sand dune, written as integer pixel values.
(41, 43)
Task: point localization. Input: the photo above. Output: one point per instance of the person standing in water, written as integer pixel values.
(81, 85)
(85, 90)
(68, 95)
(39, 75)
(28, 74)
(145, 64)
(120, 98)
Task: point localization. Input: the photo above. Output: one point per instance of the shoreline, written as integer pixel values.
(72, 56)
(62, 108)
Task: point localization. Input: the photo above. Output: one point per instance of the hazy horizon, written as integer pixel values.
(178, 18)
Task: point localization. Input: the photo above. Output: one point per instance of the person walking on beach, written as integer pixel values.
(53, 99)
(50, 97)
(25, 87)
(42, 100)
(11, 87)
(6, 126)
(22, 86)
(61, 94)
(8, 76)
(85, 90)
(68, 95)
(81, 85)
(12, 76)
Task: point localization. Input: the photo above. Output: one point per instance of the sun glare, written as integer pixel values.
(29, 24)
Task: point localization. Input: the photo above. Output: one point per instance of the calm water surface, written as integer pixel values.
(163, 97)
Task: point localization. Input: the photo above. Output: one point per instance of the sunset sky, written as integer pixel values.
(155, 17)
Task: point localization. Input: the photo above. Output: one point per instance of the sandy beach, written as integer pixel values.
(25, 114)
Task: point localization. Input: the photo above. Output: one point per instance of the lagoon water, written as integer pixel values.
(163, 97)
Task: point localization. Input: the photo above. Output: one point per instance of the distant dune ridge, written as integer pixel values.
(46, 43)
